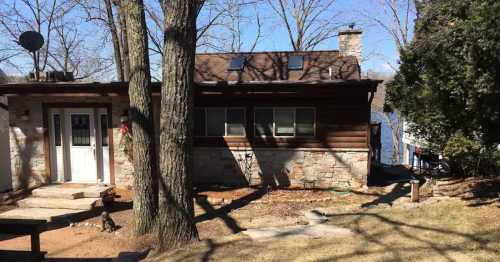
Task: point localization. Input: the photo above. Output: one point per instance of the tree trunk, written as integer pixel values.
(115, 40)
(124, 40)
(141, 111)
(175, 224)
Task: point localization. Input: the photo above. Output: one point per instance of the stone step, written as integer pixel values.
(58, 192)
(96, 191)
(40, 202)
(49, 214)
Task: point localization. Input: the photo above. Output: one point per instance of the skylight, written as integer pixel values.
(295, 62)
(237, 63)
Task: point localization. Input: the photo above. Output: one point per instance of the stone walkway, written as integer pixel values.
(314, 231)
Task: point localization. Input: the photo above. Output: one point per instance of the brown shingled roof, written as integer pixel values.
(270, 66)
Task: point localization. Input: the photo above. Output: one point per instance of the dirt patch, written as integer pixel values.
(220, 228)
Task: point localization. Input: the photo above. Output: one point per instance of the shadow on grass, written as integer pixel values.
(412, 240)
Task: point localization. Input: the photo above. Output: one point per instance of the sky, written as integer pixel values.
(379, 52)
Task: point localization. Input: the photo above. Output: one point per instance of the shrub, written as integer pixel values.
(467, 157)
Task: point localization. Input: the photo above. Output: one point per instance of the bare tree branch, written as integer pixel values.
(308, 23)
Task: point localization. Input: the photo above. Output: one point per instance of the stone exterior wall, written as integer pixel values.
(324, 168)
(281, 167)
(26, 140)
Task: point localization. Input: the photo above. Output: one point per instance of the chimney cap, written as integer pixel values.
(351, 32)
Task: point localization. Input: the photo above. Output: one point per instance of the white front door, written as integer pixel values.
(80, 124)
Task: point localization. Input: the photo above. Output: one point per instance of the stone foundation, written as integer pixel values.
(322, 168)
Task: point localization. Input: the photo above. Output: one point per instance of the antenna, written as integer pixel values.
(32, 41)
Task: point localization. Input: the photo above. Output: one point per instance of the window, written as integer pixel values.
(219, 121)
(104, 130)
(57, 129)
(80, 130)
(235, 122)
(199, 122)
(237, 63)
(304, 122)
(216, 119)
(285, 121)
(264, 122)
(295, 62)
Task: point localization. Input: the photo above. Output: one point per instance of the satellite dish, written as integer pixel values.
(31, 40)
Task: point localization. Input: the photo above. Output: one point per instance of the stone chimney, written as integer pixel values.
(350, 43)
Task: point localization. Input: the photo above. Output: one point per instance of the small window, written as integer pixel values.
(264, 122)
(199, 122)
(57, 129)
(237, 63)
(216, 122)
(284, 121)
(304, 118)
(295, 62)
(235, 122)
(104, 130)
(80, 130)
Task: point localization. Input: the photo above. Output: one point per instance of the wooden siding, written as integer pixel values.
(341, 121)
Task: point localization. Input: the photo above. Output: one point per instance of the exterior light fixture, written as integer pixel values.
(124, 117)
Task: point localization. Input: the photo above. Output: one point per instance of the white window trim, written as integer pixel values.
(294, 121)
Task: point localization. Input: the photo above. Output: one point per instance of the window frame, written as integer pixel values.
(294, 121)
(104, 132)
(205, 109)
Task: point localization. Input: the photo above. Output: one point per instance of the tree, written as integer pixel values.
(65, 47)
(108, 13)
(448, 82)
(141, 111)
(308, 23)
(176, 223)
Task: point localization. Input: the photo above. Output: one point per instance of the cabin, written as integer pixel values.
(284, 119)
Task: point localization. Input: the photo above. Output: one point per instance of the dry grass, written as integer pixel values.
(443, 231)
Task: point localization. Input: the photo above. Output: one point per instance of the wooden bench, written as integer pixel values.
(23, 227)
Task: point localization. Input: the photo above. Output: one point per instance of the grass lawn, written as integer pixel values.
(441, 231)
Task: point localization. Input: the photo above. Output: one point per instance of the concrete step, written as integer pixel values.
(58, 192)
(96, 191)
(49, 214)
(40, 202)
